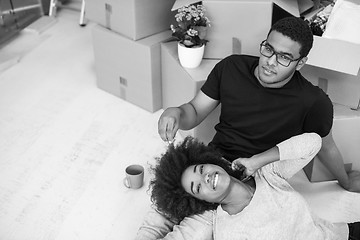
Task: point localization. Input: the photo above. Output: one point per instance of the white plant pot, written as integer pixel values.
(190, 57)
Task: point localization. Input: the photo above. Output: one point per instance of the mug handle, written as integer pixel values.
(126, 182)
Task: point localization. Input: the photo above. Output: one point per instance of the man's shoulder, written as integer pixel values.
(312, 93)
(308, 85)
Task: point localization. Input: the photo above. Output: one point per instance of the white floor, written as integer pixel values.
(64, 145)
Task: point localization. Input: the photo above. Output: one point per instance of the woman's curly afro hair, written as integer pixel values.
(167, 193)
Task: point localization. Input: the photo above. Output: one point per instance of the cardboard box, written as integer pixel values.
(342, 88)
(346, 133)
(135, 19)
(129, 69)
(239, 26)
(334, 66)
(180, 85)
(327, 53)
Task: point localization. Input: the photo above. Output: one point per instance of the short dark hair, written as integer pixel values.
(297, 30)
(167, 193)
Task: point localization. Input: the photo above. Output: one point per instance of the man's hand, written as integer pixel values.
(354, 181)
(168, 124)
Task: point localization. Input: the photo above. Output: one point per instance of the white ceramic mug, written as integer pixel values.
(134, 176)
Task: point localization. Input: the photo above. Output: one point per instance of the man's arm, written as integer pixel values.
(331, 157)
(198, 109)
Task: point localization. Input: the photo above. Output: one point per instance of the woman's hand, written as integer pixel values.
(245, 165)
(252, 164)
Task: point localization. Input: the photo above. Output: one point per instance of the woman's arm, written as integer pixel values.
(293, 154)
(156, 227)
(296, 153)
(252, 164)
(196, 227)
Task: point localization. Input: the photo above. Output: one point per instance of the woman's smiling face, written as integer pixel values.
(206, 182)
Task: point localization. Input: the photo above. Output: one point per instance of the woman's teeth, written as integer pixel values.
(215, 180)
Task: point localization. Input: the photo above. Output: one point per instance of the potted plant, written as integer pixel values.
(190, 31)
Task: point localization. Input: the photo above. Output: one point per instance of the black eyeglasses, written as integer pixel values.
(267, 51)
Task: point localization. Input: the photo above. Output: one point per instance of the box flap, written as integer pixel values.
(305, 5)
(180, 3)
(335, 55)
(290, 6)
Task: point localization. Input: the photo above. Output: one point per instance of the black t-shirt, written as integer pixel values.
(255, 118)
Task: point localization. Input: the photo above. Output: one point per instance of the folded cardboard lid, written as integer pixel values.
(180, 3)
(305, 5)
(335, 55)
(291, 6)
(295, 7)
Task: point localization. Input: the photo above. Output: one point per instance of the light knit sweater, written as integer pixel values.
(276, 210)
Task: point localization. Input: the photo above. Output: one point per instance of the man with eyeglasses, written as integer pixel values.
(264, 101)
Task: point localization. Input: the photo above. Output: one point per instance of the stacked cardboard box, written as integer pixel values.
(334, 66)
(126, 44)
(129, 69)
(135, 19)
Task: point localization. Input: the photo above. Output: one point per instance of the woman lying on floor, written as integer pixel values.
(192, 178)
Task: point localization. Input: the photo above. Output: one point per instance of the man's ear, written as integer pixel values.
(301, 63)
